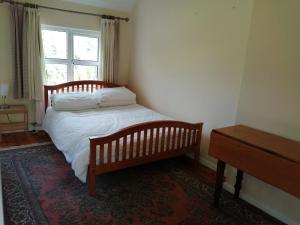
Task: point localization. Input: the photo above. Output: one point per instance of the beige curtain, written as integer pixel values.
(29, 62)
(32, 54)
(110, 30)
(17, 12)
(33, 60)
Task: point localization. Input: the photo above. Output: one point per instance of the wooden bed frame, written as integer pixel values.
(164, 139)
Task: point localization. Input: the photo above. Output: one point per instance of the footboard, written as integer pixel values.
(141, 144)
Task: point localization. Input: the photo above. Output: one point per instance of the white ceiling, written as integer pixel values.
(120, 5)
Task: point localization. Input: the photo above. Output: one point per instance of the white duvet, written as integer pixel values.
(70, 131)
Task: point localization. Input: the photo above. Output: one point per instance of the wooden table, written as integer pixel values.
(270, 158)
(10, 125)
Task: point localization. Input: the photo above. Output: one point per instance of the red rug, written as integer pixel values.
(39, 187)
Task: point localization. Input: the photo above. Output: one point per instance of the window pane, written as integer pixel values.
(85, 48)
(55, 44)
(85, 72)
(56, 74)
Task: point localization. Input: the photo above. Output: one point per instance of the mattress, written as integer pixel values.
(70, 130)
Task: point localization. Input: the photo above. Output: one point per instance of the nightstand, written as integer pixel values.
(10, 125)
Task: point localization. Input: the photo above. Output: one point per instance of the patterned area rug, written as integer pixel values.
(39, 187)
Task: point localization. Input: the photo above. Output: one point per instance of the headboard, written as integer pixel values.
(74, 86)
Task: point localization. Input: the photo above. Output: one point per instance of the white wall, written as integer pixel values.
(270, 93)
(188, 62)
(57, 18)
(188, 59)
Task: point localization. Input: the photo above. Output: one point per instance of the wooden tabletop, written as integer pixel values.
(271, 143)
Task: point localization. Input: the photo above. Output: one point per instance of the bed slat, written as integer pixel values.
(124, 150)
(156, 141)
(151, 141)
(144, 142)
(184, 138)
(131, 146)
(109, 153)
(174, 137)
(168, 139)
(189, 137)
(162, 145)
(101, 154)
(117, 150)
(138, 144)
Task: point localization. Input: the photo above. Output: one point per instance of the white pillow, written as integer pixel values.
(119, 96)
(74, 101)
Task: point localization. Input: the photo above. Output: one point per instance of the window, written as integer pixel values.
(70, 55)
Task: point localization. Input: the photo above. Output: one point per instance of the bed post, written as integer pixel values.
(197, 147)
(92, 170)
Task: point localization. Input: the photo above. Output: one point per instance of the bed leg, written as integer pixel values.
(196, 158)
(92, 185)
(92, 170)
(197, 147)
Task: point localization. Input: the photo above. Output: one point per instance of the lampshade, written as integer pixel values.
(4, 90)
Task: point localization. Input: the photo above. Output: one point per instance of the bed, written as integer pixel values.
(107, 139)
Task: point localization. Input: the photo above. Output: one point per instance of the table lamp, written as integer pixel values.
(4, 94)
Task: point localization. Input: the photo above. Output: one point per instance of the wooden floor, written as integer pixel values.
(23, 138)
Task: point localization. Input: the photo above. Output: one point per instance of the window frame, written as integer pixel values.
(70, 61)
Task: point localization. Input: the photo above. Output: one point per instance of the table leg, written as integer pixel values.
(238, 183)
(219, 182)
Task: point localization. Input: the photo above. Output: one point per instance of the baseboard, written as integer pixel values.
(229, 187)
(21, 131)
(25, 146)
(208, 164)
(12, 131)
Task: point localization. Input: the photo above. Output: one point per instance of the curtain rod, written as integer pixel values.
(65, 10)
